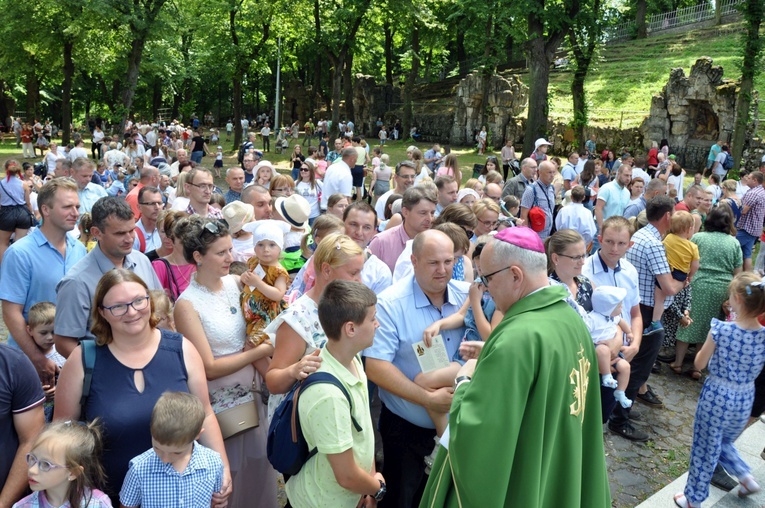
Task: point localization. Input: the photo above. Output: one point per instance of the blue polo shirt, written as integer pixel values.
(32, 267)
(404, 311)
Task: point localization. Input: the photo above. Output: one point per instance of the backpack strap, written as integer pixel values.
(318, 377)
(141, 239)
(88, 363)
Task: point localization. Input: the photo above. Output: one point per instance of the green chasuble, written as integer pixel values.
(526, 432)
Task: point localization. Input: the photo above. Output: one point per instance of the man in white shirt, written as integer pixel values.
(575, 216)
(360, 222)
(639, 172)
(718, 167)
(743, 184)
(338, 179)
(78, 150)
(265, 133)
(182, 156)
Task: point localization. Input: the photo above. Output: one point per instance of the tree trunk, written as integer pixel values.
(410, 82)
(237, 104)
(488, 71)
(337, 87)
(66, 93)
(156, 98)
(348, 89)
(387, 29)
(131, 79)
(642, 29)
(580, 106)
(317, 93)
(461, 52)
(753, 13)
(33, 96)
(539, 78)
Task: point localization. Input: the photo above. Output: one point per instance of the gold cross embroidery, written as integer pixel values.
(580, 379)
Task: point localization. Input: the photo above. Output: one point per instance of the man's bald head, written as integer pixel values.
(428, 239)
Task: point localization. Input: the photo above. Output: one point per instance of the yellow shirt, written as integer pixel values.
(326, 422)
(680, 252)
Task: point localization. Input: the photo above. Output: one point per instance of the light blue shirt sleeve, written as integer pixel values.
(14, 272)
(386, 341)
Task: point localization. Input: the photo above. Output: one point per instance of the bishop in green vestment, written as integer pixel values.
(525, 431)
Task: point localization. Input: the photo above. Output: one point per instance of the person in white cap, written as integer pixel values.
(264, 284)
(540, 150)
(605, 323)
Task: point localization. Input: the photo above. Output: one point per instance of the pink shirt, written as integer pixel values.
(389, 245)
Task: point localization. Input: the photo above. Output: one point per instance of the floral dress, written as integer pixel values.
(258, 310)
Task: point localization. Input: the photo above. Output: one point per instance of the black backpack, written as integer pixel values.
(286, 448)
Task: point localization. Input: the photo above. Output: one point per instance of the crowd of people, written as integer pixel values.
(501, 322)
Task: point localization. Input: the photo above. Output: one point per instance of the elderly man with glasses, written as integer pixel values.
(534, 400)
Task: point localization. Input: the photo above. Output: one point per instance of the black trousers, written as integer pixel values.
(641, 367)
(405, 446)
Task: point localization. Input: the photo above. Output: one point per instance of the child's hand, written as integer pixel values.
(477, 289)
(686, 320)
(249, 278)
(629, 338)
(430, 332)
(50, 392)
(520, 222)
(470, 349)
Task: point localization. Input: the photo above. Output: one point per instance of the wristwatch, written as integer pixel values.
(460, 380)
(381, 493)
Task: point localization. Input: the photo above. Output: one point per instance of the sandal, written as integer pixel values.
(677, 369)
(693, 374)
(681, 501)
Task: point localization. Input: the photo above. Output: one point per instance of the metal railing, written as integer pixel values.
(680, 17)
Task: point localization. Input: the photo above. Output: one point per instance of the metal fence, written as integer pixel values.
(680, 17)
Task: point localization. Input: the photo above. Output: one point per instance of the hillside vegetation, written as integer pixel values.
(627, 74)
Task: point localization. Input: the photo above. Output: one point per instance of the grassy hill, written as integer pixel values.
(620, 85)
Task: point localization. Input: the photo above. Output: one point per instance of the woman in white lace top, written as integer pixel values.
(209, 315)
(296, 333)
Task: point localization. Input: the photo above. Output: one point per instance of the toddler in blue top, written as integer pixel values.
(177, 471)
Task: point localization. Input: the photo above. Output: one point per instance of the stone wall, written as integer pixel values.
(507, 99)
(297, 103)
(692, 112)
(371, 101)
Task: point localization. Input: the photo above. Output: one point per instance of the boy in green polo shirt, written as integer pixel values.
(342, 473)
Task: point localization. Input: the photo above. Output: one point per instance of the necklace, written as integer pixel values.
(232, 308)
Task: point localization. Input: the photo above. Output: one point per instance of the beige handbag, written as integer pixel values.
(237, 419)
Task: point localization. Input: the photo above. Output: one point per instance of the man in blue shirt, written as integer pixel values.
(33, 266)
(114, 228)
(404, 310)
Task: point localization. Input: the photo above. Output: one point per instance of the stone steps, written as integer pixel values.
(749, 445)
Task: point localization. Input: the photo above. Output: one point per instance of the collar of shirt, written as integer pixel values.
(337, 368)
(195, 463)
(40, 239)
(603, 265)
(105, 264)
(422, 300)
(651, 229)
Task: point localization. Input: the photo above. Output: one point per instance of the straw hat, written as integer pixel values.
(295, 210)
(237, 214)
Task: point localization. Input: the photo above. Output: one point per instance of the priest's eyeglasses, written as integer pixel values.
(485, 279)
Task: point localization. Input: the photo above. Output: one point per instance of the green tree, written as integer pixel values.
(548, 23)
(751, 64)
